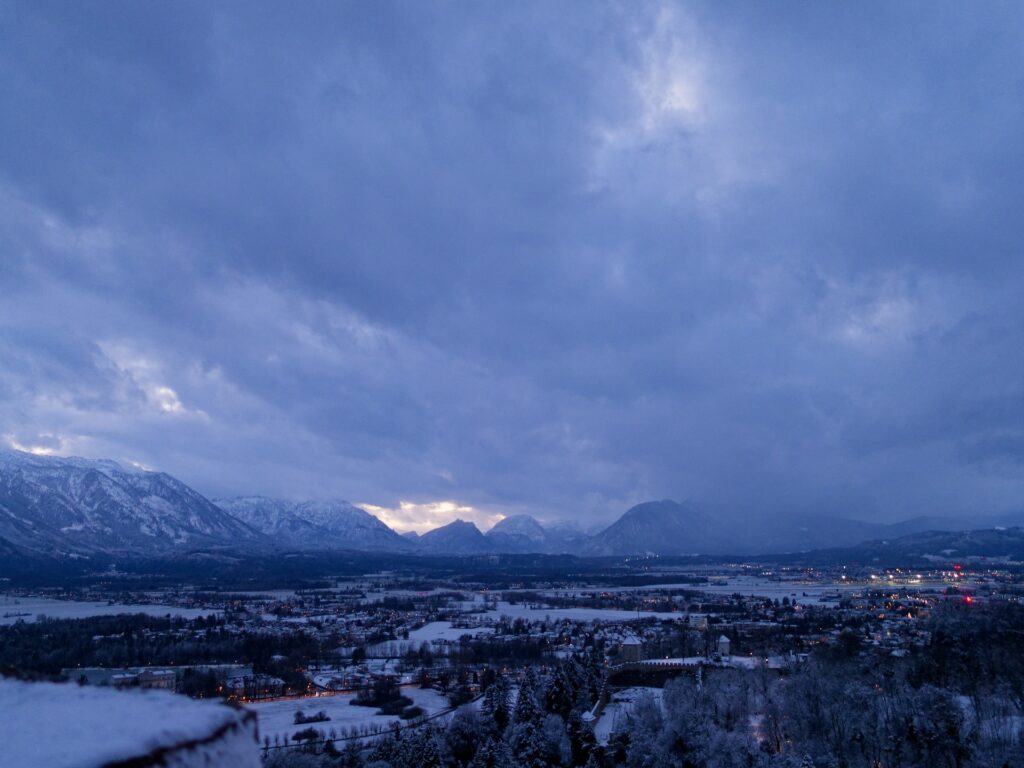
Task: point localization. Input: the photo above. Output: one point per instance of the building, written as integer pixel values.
(630, 649)
(255, 687)
(165, 678)
(697, 621)
(723, 645)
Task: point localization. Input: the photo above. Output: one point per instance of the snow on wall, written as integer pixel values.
(68, 726)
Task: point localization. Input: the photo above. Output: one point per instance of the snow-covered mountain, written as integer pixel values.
(523, 534)
(525, 526)
(566, 538)
(518, 533)
(456, 538)
(57, 505)
(332, 524)
(656, 527)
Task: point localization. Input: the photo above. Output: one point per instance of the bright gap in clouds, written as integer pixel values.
(410, 516)
(38, 450)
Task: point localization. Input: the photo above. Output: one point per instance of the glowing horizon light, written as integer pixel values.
(425, 516)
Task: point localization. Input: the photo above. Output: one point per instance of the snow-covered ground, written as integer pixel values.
(616, 715)
(27, 609)
(99, 726)
(277, 718)
(433, 632)
(443, 630)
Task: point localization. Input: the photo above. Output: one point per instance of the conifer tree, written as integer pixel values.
(523, 737)
(560, 693)
(495, 705)
(581, 738)
(527, 709)
(492, 753)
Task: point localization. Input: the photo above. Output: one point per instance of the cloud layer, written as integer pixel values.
(536, 257)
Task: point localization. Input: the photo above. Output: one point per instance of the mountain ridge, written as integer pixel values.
(458, 537)
(55, 505)
(70, 506)
(318, 524)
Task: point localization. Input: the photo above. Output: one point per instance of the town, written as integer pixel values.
(357, 662)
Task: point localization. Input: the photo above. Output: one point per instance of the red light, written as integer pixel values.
(968, 599)
(956, 567)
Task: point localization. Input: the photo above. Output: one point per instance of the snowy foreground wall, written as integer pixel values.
(67, 726)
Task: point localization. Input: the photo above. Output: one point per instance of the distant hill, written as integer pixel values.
(657, 527)
(565, 538)
(456, 538)
(931, 548)
(672, 528)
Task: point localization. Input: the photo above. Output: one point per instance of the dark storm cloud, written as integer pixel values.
(545, 257)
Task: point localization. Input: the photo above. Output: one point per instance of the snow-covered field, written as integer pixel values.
(433, 632)
(277, 718)
(807, 593)
(28, 609)
(443, 630)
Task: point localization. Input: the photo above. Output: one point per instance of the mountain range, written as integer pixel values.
(68, 506)
(72, 507)
(671, 528)
(333, 524)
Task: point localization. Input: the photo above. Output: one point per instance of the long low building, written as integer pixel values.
(63, 725)
(167, 677)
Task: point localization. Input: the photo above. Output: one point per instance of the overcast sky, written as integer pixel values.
(487, 258)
